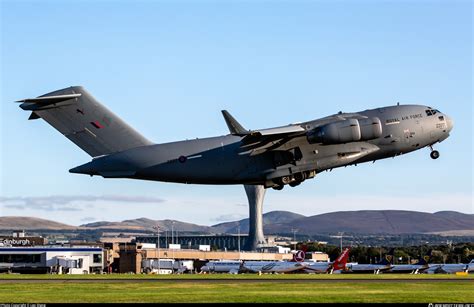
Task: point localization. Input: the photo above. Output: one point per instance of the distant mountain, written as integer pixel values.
(270, 218)
(282, 222)
(141, 224)
(148, 224)
(457, 218)
(26, 223)
(377, 221)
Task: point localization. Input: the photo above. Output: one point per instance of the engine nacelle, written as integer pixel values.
(370, 128)
(345, 131)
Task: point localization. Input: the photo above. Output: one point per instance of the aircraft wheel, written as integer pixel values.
(278, 187)
(285, 179)
(434, 154)
(300, 177)
(295, 183)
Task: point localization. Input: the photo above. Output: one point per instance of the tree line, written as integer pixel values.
(447, 253)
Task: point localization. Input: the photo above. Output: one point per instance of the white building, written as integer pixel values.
(61, 260)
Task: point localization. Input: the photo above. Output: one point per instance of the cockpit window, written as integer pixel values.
(430, 111)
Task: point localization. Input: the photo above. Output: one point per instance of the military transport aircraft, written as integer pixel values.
(273, 157)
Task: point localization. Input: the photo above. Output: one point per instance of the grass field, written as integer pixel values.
(231, 288)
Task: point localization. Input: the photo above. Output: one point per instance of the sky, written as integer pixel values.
(168, 67)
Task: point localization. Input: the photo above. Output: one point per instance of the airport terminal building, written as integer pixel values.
(54, 259)
(222, 242)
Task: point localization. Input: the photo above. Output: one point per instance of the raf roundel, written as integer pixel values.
(182, 159)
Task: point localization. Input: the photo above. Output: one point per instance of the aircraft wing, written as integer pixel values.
(262, 140)
(267, 139)
(255, 142)
(277, 131)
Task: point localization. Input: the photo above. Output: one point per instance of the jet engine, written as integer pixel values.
(370, 128)
(345, 131)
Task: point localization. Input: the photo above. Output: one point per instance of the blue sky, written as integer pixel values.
(169, 67)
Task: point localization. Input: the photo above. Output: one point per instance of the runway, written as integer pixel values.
(232, 280)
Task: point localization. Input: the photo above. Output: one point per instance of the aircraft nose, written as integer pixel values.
(449, 123)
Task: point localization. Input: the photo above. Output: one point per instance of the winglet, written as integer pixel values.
(234, 126)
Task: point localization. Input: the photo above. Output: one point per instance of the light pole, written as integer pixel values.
(172, 226)
(294, 236)
(341, 241)
(340, 236)
(238, 238)
(158, 246)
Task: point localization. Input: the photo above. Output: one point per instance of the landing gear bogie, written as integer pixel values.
(292, 180)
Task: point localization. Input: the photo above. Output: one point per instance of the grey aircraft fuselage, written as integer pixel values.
(233, 159)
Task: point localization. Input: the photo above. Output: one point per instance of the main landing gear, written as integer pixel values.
(434, 153)
(292, 180)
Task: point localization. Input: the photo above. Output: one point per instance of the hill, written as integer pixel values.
(378, 221)
(25, 223)
(282, 222)
(270, 218)
(149, 224)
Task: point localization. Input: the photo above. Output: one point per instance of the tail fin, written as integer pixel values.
(299, 256)
(83, 120)
(425, 259)
(388, 258)
(341, 261)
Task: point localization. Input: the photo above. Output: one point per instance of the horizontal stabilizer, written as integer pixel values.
(47, 102)
(50, 99)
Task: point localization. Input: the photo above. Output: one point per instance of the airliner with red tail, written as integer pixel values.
(329, 267)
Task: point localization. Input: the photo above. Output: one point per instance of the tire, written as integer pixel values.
(434, 154)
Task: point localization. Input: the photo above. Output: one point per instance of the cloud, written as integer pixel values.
(88, 219)
(69, 202)
(229, 217)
